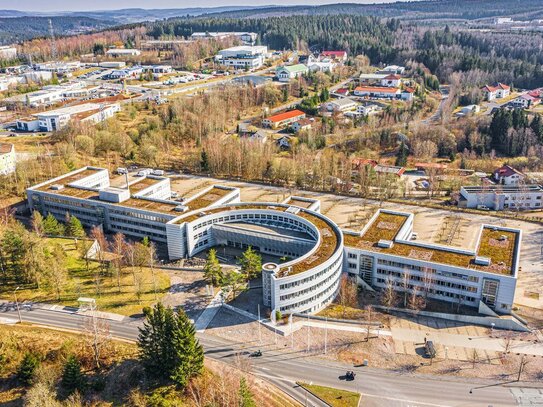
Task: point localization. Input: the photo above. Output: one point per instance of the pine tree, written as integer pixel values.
(213, 270)
(204, 161)
(51, 226)
(28, 367)
(401, 157)
(74, 228)
(168, 345)
(72, 378)
(245, 396)
(251, 263)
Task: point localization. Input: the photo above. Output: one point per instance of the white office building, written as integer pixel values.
(318, 252)
(58, 118)
(243, 57)
(500, 197)
(123, 52)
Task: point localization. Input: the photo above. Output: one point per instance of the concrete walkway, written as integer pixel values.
(209, 313)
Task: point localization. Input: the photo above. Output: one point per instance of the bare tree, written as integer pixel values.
(96, 331)
(348, 293)
(388, 295)
(119, 248)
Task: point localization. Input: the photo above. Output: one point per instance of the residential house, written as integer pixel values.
(7, 52)
(467, 110)
(131, 72)
(371, 79)
(392, 81)
(341, 105)
(341, 92)
(302, 125)
(496, 91)
(123, 52)
(158, 70)
(407, 94)
(392, 69)
(340, 56)
(7, 158)
(284, 142)
(283, 119)
(58, 67)
(507, 175)
(260, 136)
(242, 57)
(286, 73)
(321, 66)
(368, 109)
(525, 101)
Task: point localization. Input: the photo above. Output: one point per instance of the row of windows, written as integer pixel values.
(201, 243)
(122, 221)
(430, 291)
(307, 290)
(131, 214)
(308, 279)
(332, 287)
(352, 256)
(429, 282)
(429, 270)
(138, 232)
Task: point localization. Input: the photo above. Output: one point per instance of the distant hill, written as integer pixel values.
(15, 29)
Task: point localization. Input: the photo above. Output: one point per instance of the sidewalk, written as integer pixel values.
(209, 313)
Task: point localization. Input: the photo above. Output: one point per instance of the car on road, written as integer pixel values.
(256, 354)
(350, 375)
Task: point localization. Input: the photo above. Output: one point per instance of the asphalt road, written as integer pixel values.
(283, 368)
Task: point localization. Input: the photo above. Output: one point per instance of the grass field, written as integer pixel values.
(334, 397)
(81, 282)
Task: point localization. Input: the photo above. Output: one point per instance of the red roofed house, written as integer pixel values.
(496, 91)
(526, 101)
(342, 92)
(377, 92)
(336, 55)
(391, 81)
(507, 175)
(283, 119)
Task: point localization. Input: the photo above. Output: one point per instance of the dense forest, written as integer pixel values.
(410, 10)
(24, 28)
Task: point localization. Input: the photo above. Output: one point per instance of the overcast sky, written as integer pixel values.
(65, 5)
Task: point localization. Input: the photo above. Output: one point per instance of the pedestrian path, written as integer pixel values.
(209, 313)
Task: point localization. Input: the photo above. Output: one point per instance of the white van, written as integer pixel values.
(122, 170)
(160, 173)
(144, 172)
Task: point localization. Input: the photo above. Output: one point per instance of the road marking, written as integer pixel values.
(264, 368)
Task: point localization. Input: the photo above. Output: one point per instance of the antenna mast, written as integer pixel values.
(53, 42)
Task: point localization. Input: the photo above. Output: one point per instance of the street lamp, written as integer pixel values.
(17, 305)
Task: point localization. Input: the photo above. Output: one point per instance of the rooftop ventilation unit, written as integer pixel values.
(180, 208)
(385, 244)
(482, 261)
(293, 210)
(56, 187)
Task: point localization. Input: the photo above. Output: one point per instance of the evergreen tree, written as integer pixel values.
(212, 269)
(245, 396)
(72, 378)
(401, 157)
(537, 127)
(168, 345)
(51, 226)
(74, 228)
(28, 367)
(204, 161)
(251, 263)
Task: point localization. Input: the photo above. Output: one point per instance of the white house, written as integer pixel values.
(341, 105)
(158, 70)
(242, 57)
(321, 66)
(525, 101)
(302, 125)
(123, 52)
(393, 69)
(132, 72)
(58, 66)
(335, 55)
(7, 52)
(286, 73)
(507, 175)
(496, 91)
(368, 110)
(7, 158)
(391, 81)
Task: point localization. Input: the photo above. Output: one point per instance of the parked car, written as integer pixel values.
(144, 172)
(159, 173)
(122, 170)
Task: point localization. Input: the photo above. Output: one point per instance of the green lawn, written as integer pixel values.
(334, 397)
(81, 283)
